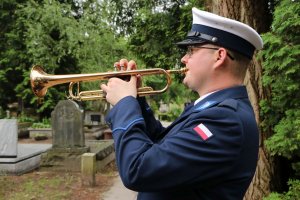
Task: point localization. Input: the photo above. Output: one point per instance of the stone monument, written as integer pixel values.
(68, 137)
(8, 138)
(17, 159)
(67, 125)
(67, 121)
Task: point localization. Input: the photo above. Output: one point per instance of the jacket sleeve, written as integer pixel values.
(181, 158)
(153, 126)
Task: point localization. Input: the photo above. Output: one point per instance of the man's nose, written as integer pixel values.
(184, 59)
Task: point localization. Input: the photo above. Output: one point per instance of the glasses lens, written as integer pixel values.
(189, 51)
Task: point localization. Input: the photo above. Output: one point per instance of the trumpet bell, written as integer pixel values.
(38, 81)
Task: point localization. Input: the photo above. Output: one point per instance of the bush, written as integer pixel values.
(44, 124)
(292, 194)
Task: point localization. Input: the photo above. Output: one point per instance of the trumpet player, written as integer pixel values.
(210, 151)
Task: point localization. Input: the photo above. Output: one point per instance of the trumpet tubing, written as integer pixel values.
(40, 81)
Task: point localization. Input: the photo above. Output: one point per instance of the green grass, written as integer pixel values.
(52, 187)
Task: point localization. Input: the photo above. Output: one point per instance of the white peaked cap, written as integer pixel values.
(234, 35)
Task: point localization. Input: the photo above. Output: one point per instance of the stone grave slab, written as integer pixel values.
(28, 158)
(104, 150)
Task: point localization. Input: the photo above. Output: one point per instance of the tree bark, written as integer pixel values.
(254, 13)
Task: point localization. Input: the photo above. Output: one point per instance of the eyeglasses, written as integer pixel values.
(190, 50)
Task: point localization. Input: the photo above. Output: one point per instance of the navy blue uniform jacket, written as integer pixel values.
(177, 163)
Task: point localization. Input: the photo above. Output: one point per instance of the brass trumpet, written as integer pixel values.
(40, 81)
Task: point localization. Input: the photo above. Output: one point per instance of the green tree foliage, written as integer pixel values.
(63, 36)
(292, 194)
(12, 54)
(282, 72)
(281, 64)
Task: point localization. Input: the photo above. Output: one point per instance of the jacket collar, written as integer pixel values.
(237, 92)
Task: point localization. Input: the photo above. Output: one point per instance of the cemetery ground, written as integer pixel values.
(50, 185)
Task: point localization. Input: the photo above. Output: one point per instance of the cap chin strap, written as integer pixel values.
(202, 36)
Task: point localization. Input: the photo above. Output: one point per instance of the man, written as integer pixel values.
(210, 152)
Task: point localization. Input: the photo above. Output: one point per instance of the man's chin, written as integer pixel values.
(186, 83)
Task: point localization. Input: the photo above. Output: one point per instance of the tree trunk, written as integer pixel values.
(252, 12)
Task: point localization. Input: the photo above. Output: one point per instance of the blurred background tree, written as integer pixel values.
(12, 54)
(281, 110)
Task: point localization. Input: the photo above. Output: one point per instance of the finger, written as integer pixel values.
(104, 87)
(117, 66)
(138, 81)
(123, 63)
(133, 80)
(131, 65)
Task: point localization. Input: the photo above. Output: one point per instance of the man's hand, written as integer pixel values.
(116, 88)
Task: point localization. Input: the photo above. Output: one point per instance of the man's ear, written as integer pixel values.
(220, 56)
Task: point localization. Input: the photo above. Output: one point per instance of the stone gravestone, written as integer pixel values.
(8, 138)
(68, 138)
(67, 121)
(67, 125)
(15, 158)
